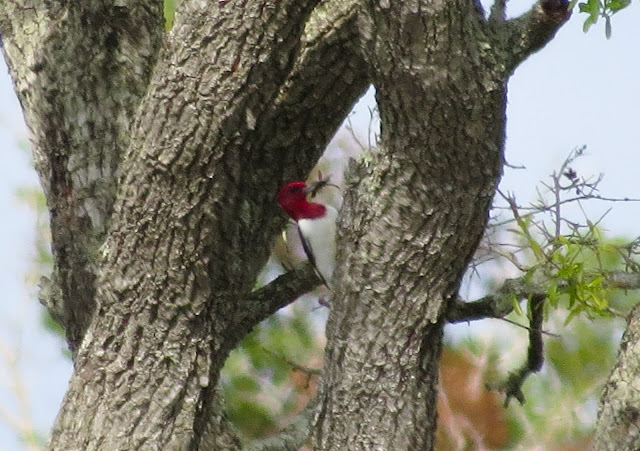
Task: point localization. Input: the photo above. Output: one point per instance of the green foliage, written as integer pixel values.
(42, 262)
(265, 380)
(594, 9)
(572, 261)
(575, 272)
(568, 258)
(35, 200)
(169, 12)
(561, 399)
(583, 357)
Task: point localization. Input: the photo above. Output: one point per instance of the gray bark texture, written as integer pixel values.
(618, 426)
(160, 154)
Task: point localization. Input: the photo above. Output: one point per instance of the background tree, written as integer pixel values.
(191, 224)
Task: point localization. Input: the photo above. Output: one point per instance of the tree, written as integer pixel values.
(159, 155)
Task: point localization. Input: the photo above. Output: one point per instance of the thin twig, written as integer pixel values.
(296, 366)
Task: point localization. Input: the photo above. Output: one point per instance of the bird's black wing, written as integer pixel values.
(310, 256)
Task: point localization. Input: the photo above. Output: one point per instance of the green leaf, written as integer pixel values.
(528, 276)
(592, 7)
(516, 305)
(572, 314)
(599, 301)
(169, 12)
(302, 330)
(535, 247)
(552, 295)
(616, 5)
(596, 283)
(572, 291)
(252, 418)
(587, 23)
(245, 383)
(595, 5)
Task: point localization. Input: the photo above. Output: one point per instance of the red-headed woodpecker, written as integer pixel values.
(316, 224)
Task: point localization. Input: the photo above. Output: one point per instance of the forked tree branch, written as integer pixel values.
(522, 36)
(497, 305)
(195, 214)
(328, 76)
(501, 303)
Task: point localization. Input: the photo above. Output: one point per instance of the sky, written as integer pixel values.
(580, 90)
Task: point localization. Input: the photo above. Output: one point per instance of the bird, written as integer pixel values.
(316, 223)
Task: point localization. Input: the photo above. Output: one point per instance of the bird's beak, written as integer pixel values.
(314, 187)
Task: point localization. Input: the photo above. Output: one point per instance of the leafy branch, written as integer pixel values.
(596, 9)
(564, 263)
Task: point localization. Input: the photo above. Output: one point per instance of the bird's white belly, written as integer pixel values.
(320, 234)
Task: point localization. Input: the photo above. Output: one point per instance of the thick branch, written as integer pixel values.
(80, 71)
(327, 78)
(280, 292)
(528, 33)
(496, 305)
(491, 306)
(512, 387)
(623, 280)
(500, 304)
(180, 217)
(195, 216)
(412, 216)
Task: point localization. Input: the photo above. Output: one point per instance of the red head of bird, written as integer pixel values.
(292, 198)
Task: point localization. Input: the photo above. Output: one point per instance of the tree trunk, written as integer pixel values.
(80, 74)
(414, 215)
(160, 165)
(618, 426)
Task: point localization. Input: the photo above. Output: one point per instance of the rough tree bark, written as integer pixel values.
(415, 211)
(618, 426)
(160, 153)
(79, 74)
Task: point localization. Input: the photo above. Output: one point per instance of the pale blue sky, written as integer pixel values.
(580, 89)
